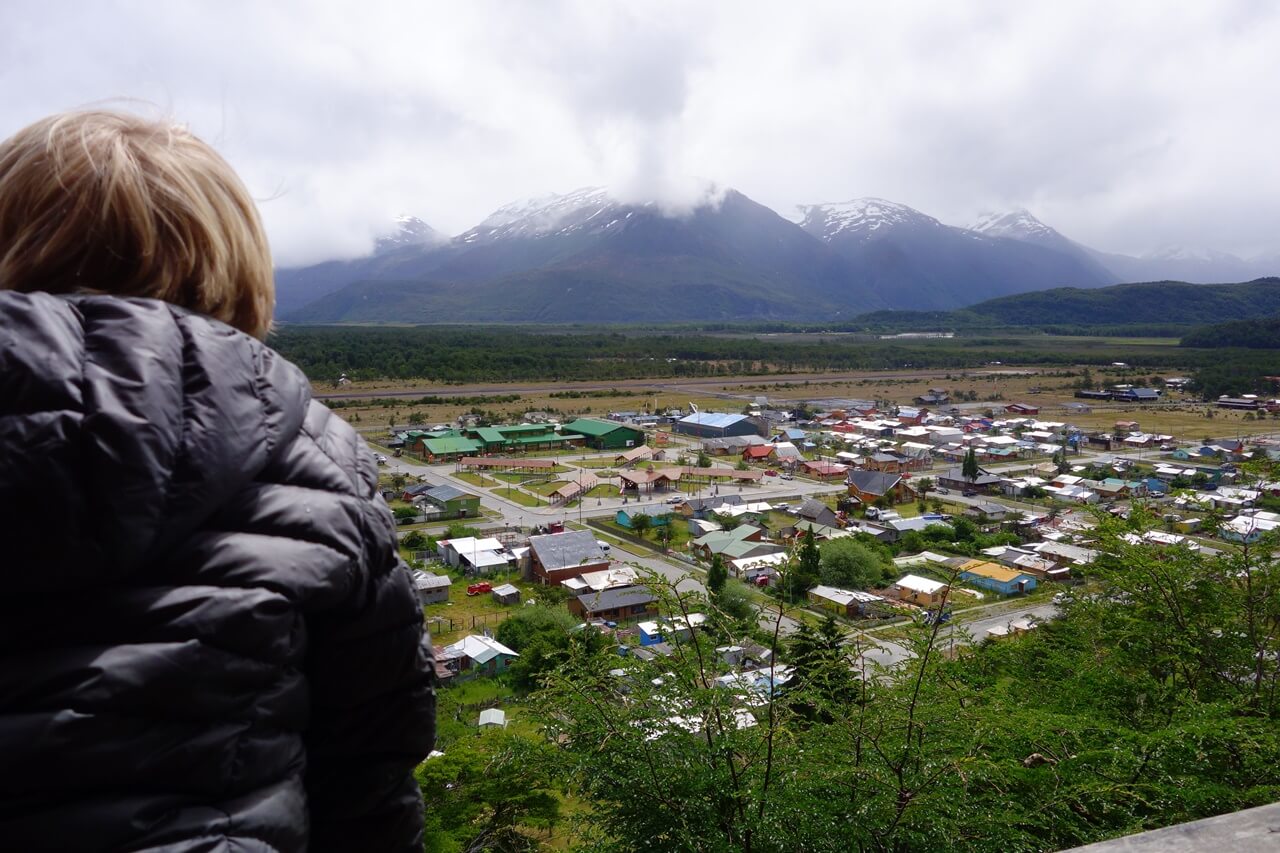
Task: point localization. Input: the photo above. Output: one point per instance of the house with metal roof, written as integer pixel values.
(1006, 581)
(869, 486)
(604, 435)
(917, 590)
(431, 589)
(468, 551)
(819, 513)
(844, 602)
(614, 576)
(984, 482)
(720, 425)
(477, 655)
(453, 502)
(640, 453)
(557, 556)
(744, 540)
(702, 507)
(617, 604)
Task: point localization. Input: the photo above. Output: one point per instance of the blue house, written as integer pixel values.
(650, 633)
(997, 578)
(624, 519)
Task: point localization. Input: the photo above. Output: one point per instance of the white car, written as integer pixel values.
(604, 546)
(675, 499)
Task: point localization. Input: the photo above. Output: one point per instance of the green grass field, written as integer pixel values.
(475, 479)
(517, 496)
(472, 613)
(546, 487)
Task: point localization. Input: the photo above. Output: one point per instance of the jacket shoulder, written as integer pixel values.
(326, 454)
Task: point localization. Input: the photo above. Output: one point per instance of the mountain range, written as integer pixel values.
(587, 257)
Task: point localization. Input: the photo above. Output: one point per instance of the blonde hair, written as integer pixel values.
(108, 202)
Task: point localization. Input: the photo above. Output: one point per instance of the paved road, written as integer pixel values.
(889, 653)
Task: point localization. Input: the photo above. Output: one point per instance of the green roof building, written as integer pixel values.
(604, 435)
(445, 448)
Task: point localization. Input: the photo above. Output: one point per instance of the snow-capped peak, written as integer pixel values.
(409, 231)
(861, 217)
(553, 213)
(1016, 224)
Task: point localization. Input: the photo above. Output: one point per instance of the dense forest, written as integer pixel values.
(1251, 334)
(1152, 700)
(507, 353)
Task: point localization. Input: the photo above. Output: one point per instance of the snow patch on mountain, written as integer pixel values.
(1016, 224)
(860, 217)
(588, 209)
(409, 231)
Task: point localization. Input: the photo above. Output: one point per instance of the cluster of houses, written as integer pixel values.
(880, 457)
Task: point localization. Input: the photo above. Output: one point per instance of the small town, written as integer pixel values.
(978, 517)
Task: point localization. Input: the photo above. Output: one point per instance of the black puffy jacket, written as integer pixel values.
(207, 640)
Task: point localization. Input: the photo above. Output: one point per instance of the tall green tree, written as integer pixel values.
(640, 524)
(848, 564)
(804, 570)
(969, 467)
(717, 575)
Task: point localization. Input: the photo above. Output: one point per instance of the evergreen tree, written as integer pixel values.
(969, 468)
(716, 575)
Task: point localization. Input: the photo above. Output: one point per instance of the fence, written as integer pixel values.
(448, 624)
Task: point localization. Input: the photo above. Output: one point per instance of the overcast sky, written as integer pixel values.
(1126, 125)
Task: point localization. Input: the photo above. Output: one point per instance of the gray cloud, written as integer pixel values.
(1127, 126)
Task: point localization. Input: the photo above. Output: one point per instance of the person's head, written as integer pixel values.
(107, 202)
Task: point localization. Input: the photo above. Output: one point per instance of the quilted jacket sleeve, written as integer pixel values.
(371, 673)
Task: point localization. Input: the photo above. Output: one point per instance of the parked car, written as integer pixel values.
(479, 588)
(969, 493)
(771, 473)
(787, 475)
(604, 546)
(942, 491)
(675, 499)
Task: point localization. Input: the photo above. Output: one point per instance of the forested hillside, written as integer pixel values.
(1251, 334)
(1154, 303)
